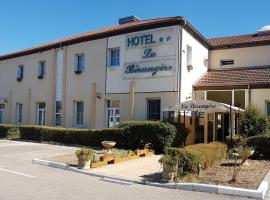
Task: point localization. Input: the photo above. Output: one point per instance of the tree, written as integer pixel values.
(253, 122)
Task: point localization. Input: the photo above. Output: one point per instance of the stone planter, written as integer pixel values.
(169, 172)
(83, 163)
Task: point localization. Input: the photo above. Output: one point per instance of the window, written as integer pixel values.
(153, 109)
(41, 69)
(113, 113)
(79, 109)
(19, 113)
(268, 108)
(114, 57)
(58, 111)
(226, 62)
(41, 113)
(189, 58)
(79, 63)
(20, 71)
(2, 113)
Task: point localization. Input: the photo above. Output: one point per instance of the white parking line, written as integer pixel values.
(18, 173)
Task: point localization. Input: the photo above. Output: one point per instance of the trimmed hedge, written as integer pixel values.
(138, 133)
(129, 135)
(9, 131)
(191, 158)
(261, 144)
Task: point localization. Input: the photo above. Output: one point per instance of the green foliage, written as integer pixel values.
(181, 135)
(233, 141)
(138, 133)
(8, 131)
(85, 153)
(191, 158)
(261, 145)
(128, 135)
(253, 123)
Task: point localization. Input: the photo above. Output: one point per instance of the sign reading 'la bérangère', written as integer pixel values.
(150, 64)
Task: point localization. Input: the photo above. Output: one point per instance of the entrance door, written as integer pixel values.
(113, 113)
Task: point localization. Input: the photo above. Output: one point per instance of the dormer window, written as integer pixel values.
(79, 63)
(20, 70)
(226, 62)
(41, 69)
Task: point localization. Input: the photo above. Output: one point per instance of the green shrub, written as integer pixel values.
(233, 141)
(138, 133)
(261, 145)
(210, 154)
(9, 131)
(85, 153)
(253, 122)
(191, 158)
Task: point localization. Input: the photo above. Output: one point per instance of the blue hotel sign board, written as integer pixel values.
(152, 63)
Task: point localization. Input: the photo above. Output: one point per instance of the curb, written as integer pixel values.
(198, 187)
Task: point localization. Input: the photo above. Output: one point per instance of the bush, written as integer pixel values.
(9, 131)
(261, 145)
(87, 137)
(191, 158)
(233, 141)
(253, 123)
(128, 135)
(138, 133)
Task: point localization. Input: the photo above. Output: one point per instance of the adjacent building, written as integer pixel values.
(132, 71)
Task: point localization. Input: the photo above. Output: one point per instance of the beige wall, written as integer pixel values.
(78, 87)
(243, 57)
(41, 89)
(259, 98)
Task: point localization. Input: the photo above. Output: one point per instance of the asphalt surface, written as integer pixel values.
(22, 180)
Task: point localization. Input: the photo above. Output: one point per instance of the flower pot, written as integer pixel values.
(169, 172)
(83, 163)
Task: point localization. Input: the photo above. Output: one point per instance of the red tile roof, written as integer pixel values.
(235, 78)
(239, 41)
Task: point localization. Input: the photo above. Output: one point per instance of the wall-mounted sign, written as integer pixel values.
(150, 69)
(150, 38)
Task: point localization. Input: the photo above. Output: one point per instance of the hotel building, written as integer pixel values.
(132, 71)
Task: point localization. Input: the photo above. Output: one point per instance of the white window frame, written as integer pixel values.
(39, 71)
(19, 113)
(114, 116)
(2, 110)
(110, 64)
(76, 62)
(75, 121)
(58, 113)
(43, 114)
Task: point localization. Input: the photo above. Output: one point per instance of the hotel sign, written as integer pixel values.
(154, 60)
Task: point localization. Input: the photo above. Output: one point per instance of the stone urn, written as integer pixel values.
(169, 172)
(83, 163)
(108, 145)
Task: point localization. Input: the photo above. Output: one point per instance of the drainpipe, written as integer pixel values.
(249, 96)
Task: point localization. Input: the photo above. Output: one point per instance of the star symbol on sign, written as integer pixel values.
(168, 38)
(161, 39)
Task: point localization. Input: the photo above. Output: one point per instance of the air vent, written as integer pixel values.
(125, 20)
(265, 30)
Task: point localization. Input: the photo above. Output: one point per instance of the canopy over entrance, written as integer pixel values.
(203, 106)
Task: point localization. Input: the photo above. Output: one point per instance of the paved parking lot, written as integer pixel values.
(20, 179)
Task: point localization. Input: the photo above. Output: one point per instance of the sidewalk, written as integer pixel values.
(142, 169)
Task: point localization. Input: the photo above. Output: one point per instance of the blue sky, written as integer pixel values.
(25, 23)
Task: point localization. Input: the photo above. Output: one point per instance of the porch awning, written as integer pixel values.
(203, 106)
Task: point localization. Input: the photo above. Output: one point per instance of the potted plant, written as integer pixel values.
(85, 156)
(244, 154)
(170, 168)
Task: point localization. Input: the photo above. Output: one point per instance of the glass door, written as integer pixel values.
(113, 113)
(2, 113)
